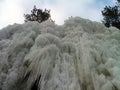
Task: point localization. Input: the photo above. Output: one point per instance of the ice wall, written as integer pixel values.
(79, 55)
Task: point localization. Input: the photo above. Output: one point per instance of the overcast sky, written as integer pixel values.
(11, 11)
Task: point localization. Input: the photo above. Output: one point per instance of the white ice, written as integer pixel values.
(79, 55)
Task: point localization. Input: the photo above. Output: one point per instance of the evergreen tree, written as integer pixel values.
(37, 15)
(112, 15)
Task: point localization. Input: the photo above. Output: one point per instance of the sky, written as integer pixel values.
(12, 11)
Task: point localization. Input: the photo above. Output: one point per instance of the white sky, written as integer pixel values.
(11, 11)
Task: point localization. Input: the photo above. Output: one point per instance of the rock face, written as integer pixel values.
(79, 55)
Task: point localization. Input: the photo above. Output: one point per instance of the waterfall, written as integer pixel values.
(79, 55)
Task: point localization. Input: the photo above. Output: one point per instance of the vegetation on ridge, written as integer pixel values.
(111, 15)
(37, 15)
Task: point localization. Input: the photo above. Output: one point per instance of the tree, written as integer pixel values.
(37, 15)
(112, 15)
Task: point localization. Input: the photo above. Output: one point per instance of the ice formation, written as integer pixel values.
(79, 55)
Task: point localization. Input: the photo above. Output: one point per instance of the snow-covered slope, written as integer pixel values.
(79, 55)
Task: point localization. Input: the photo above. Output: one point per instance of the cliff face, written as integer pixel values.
(79, 55)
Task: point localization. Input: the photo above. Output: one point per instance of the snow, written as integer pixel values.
(79, 55)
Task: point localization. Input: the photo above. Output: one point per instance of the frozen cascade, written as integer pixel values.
(79, 55)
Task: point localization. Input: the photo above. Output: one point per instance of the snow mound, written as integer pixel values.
(79, 55)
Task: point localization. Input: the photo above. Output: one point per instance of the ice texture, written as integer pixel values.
(79, 55)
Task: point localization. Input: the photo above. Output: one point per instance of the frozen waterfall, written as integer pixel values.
(79, 55)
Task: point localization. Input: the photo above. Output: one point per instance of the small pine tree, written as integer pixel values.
(37, 15)
(112, 15)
